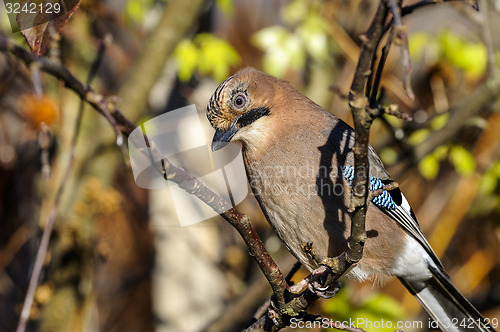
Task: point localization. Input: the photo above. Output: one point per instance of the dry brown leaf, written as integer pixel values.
(39, 20)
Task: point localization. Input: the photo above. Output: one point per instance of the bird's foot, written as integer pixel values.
(273, 314)
(317, 281)
(299, 287)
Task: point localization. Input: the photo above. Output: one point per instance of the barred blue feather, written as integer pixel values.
(383, 200)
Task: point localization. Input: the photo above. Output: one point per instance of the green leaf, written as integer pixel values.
(488, 183)
(270, 37)
(439, 121)
(462, 160)
(135, 9)
(384, 306)
(282, 50)
(216, 56)
(186, 56)
(441, 152)
(389, 156)
(450, 42)
(314, 34)
(394, 121)
(226, 7)
(429, 167)
(490, 179)
(417, 44)
(471, 57)
(206, 53)
(418, 136)
(295, 11)
(474, 59)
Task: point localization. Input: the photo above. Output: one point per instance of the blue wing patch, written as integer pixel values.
(383, 200)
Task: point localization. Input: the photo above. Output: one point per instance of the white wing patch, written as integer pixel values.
(403, 214)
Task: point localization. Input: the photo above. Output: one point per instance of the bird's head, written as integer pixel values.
(240, 108)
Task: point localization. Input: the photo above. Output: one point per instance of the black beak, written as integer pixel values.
(221, 137)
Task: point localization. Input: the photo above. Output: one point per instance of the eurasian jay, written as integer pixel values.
(299, 165)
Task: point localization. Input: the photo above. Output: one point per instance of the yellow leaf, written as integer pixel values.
(226, 6)
(429, 167)
(419, 136)
(462, 160)
(439, 121)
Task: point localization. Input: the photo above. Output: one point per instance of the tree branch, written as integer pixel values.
(185, 181)
(358, 102)
(289, 305)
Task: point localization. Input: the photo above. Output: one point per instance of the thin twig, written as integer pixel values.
(35, 78)
(49, 222)
(378, 75)
(486, 27)
(37, 269)
(394, 111)
(388, 187)
(400, 37)
(424, 3)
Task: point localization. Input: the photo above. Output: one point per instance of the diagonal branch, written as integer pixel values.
(238, 220)
(56, 69)
(187, 182)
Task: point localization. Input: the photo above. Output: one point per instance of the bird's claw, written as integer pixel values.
(321, 289)
(317, 280)
(325, 292)
(272, 313)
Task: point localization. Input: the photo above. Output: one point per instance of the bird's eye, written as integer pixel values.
(240, 101)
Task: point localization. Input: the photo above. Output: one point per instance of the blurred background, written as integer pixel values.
(118, 258)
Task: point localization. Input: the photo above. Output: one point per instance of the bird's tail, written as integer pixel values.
(446, 306)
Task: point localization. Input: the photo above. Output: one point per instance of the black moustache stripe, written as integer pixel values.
(252, 116)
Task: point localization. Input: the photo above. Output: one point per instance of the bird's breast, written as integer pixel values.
(302, 199)
(301, 189)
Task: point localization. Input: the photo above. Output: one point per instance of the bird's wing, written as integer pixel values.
(340, 141)
(392, 203)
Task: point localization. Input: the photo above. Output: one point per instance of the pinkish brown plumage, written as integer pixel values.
(297, 157)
